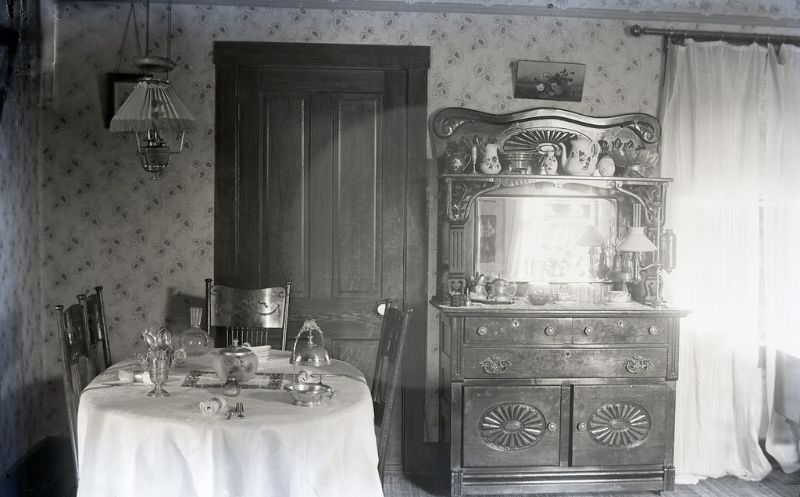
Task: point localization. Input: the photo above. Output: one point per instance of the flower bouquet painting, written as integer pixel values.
(549, 80)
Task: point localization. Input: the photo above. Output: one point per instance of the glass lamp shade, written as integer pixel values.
(153, 108)
(153, 104)
(636, 241)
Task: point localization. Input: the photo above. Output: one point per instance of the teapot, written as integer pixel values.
(502, 290)
(236, 362)
(582, 158)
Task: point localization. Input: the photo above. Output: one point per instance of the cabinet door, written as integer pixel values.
(619, 424)
(511, 426)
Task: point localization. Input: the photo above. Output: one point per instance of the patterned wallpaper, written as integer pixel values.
(22, 390)
(150, 243)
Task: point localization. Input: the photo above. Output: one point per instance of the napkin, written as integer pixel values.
(134, 375)
(212, 406)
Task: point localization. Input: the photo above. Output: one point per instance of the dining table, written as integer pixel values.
(132, 445)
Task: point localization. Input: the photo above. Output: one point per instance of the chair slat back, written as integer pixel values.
(386, 380)
(95, 323)
(78, 367)
(247, 314)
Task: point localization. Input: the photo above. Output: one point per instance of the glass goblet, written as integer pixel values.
(159, 373)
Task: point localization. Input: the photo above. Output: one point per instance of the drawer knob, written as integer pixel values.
(495, 365)
(588, 330)
(652, 330)
(620, 324)
(515, 323)
(581, 426)
(482, 331)
(549, 331)
(552, 426)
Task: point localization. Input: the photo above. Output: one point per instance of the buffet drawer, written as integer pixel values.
(488, 362)
(488, 331)
(620, 330)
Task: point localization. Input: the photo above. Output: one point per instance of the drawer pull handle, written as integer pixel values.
(652, 330)
(637, 364)
(515, 323)
(549, 331)
(588, 330)
(552, 426)
(495, 365)
(482, 331)
(581, 426)
(620, 324)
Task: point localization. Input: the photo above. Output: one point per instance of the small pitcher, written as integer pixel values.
(490, 162)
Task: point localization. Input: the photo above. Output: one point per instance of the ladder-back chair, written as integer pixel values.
(386, 380)
(247, 315)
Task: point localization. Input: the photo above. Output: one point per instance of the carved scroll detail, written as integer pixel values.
(495, 365)
(637, 364)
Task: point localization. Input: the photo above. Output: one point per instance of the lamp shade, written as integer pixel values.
(152, 104)
(636, 241)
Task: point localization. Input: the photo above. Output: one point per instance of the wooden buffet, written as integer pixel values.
(577, 394)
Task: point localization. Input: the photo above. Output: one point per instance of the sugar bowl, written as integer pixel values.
(236, 362)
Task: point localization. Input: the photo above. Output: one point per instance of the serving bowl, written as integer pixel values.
(309, 394)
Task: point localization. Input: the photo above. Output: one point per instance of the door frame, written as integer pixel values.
(228, 58)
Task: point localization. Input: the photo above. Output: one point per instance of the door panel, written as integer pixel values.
(357, 252)
(619, 425)
(511, 426)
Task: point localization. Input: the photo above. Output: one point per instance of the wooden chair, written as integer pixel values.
(247, 315)
(85, 351)
(387, 378)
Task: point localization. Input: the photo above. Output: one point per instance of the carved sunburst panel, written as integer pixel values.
(620, 425)
(511, 426)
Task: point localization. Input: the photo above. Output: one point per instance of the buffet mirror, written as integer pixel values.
(554, 239)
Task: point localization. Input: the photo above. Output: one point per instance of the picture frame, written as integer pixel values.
(119, 86)
(543, 80)
(650, 286)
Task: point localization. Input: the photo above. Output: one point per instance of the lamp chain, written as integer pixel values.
(131, 15)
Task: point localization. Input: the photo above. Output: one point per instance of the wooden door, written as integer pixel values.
(320, 178)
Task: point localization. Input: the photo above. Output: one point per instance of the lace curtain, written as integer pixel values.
(727, 142)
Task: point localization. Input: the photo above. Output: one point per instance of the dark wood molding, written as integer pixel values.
(321, 55)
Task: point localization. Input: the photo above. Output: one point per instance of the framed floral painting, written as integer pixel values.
(542, 80)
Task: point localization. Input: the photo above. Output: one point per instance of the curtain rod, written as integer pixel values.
(637, 30)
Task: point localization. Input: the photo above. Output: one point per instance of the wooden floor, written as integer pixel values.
(48, 472)
(777, 484)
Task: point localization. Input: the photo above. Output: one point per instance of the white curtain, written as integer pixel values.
(724, 115)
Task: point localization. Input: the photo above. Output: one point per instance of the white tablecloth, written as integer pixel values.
(131, 445)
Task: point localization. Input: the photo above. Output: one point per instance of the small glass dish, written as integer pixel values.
(309, 394)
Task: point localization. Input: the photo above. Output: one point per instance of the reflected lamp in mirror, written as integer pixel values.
(595, 241)
(153, 112)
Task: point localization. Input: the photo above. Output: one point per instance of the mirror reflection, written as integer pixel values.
(547, 239)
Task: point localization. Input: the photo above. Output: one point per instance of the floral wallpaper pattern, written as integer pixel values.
(150, 243)
(22, 390)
